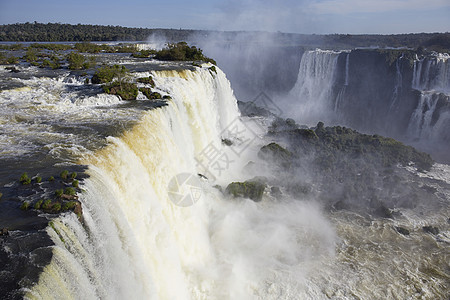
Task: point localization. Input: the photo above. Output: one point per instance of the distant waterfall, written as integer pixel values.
(432, 74)
(398, 83)
(430, 120)
(314, 87)
(341, 94)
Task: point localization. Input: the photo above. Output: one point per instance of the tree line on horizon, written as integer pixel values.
(57, 32)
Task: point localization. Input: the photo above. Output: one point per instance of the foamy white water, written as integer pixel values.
(137, 244)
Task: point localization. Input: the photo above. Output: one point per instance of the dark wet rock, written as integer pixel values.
(4, 232)
(253, 189)
(429, 189)
(12, 69)
(277, 154)
(69, 197)
(299, 189)
(227, 142)
(384, 212)
(402, 230)
(251, 109)
(275, 191)
(340, 205)
(431, 229)
(218, 187)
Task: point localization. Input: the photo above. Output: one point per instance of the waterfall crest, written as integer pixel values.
(316, 77)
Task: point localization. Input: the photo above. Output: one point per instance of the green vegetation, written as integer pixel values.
(38, 204)
(126, 90)
(253, 189)
(54, 63)
(56, 207)
(59, 193)
(47, 204)
(70, 191)
(146, 91)
(69, 205)
(329, 144)
(64, 174)
(24, 179)
(8, 60)
(25, 205)
(107, 74)
(57, 200)
(150, 95)
(146, 80)
(212, 69)
(276, 153)
(52, 32)
(31, 55)
(183, 52)
(116, 81)
(155, 96)
(79, 61)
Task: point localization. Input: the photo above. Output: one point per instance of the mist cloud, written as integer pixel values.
(264, 15)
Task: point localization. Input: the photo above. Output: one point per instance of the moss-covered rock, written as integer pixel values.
(276, 153)
(253, 189)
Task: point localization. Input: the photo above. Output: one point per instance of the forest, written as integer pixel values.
(57, 32)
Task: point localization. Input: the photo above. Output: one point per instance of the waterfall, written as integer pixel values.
(315, 82)
(430, 120)
(398, 83)
(134, 243)
(432, 73)
(420, 123)
(341, 94)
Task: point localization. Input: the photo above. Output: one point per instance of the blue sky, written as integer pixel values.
(301, 16)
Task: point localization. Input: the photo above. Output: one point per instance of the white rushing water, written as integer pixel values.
(136, 244)
(313, 88)
(430, 121)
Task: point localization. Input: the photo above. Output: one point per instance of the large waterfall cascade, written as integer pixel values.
(135, 243)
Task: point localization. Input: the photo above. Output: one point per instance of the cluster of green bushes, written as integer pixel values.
(147, 80)
(149, 94)
(78, 61)
(63, 199)
(116, 81)
(8, 59)
(126, 90)
(183, 52)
